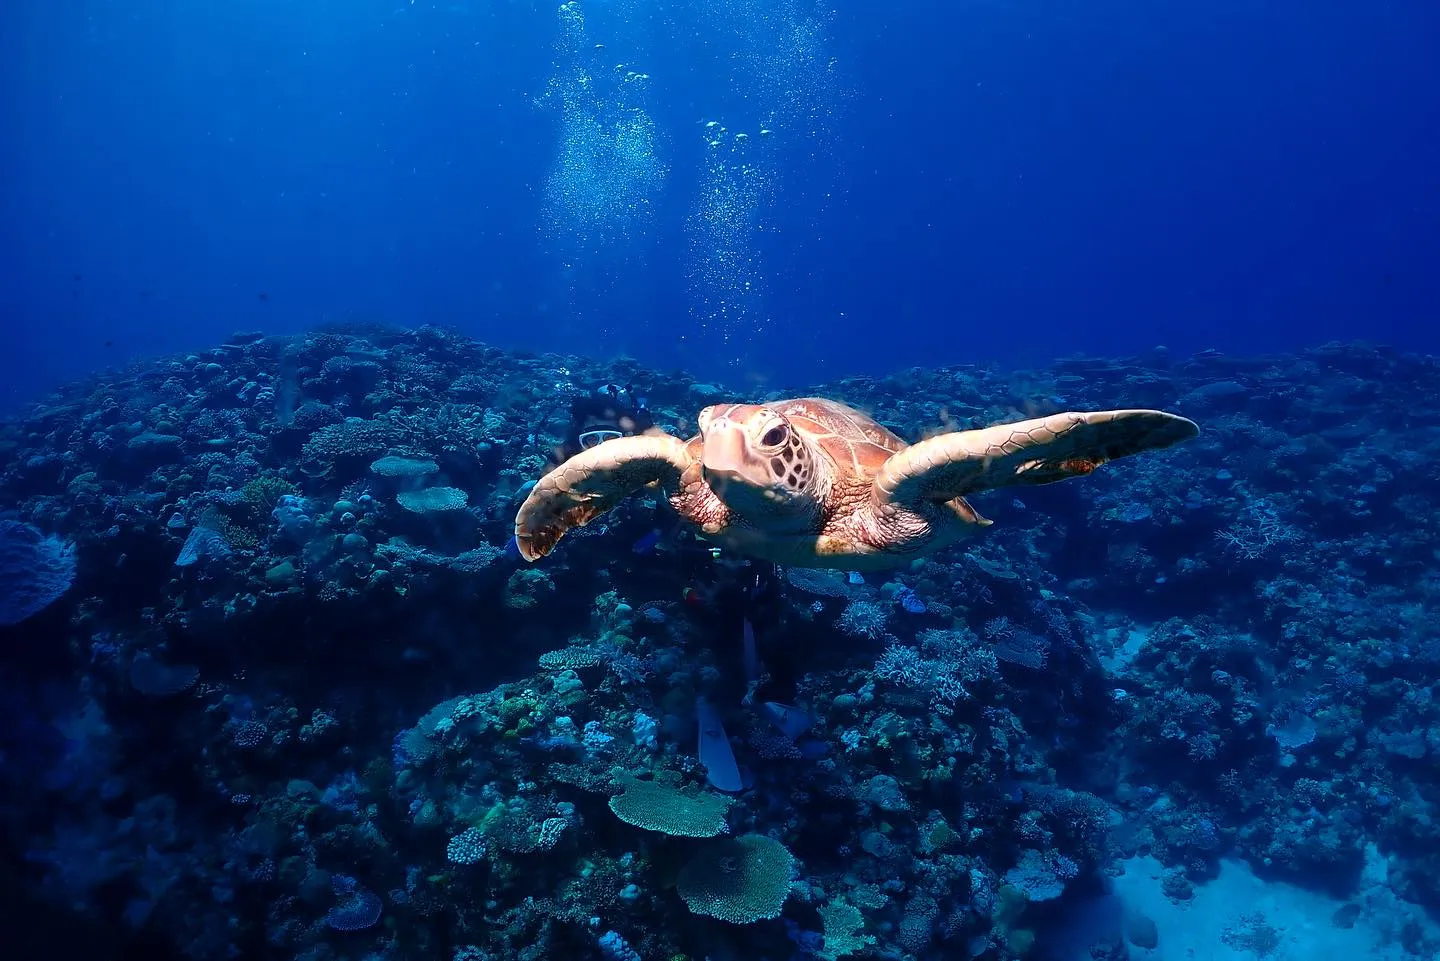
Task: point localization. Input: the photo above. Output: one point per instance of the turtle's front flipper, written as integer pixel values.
(1039, 451)
(591, 483)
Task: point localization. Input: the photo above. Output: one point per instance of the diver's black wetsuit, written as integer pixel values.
(755, 593)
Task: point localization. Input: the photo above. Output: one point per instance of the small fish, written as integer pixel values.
(646, 544)
(512, 547)
(910, 601)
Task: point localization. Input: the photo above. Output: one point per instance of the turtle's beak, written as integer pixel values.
(724, 454)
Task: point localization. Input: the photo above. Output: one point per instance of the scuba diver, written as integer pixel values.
(742, 601)
(611, 411)
(608, 413)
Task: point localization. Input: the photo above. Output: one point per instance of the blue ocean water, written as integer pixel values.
(748, 481)
(955, 182)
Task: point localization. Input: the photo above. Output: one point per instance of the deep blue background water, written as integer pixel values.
(1007, 181)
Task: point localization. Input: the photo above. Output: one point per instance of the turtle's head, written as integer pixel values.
(757, 463)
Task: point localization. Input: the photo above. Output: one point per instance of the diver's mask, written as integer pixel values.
(594, 438)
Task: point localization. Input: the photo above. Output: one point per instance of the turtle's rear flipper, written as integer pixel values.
(1039, 451)
(591, 483)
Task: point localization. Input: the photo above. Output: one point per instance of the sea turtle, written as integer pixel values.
(813, 483)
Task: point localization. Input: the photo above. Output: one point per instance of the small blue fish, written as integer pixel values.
(512, 547)
(647, 543)
(910, 601)
(855, 577)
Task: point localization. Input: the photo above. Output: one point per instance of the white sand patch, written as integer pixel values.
(1239, 917)
(1123, 650)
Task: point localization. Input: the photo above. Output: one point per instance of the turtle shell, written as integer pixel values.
(857, 445)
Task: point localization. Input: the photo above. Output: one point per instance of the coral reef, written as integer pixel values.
(282, 687)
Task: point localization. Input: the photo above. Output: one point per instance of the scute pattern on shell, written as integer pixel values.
(856, 444)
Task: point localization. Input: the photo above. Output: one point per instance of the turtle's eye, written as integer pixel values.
(775, 436)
